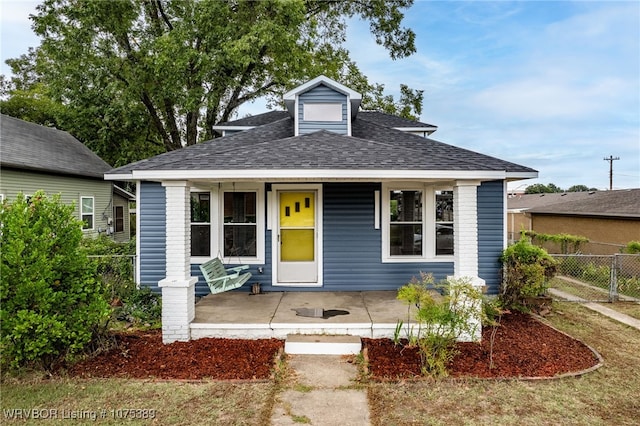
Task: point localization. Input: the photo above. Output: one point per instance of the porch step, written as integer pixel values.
(319, 344)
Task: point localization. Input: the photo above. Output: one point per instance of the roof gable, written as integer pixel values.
(30, 146)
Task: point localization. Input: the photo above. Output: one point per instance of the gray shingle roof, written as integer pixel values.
(618, 203)
(29, 146)
(530, 201)
(371, 147)
(389, 120)
(257, 120)
(372, 116)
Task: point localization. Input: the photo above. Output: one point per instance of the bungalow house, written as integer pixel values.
(35, 157)
(608, 219)
(320, 197)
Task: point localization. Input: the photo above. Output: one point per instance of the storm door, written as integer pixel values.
(297, 237)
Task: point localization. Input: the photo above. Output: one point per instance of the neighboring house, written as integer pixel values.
(609, 219)
(321, 197)
(35, 157)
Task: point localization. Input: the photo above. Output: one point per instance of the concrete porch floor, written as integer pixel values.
(373, 314)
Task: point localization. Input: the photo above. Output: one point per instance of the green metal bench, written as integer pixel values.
(222, 279)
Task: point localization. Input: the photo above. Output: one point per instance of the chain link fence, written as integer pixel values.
(597, 278)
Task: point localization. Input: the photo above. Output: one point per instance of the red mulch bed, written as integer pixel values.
(143, 355)
(523, 347)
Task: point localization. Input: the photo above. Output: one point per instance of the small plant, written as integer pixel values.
(492, 313)
(141, 308)
(442, 320)
(417, 293)
(526, 271)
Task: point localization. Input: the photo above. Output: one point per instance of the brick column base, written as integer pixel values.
(178, 308)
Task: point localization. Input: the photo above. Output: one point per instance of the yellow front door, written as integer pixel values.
(297, 257)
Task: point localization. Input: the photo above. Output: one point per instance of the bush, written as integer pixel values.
(114, 265)
(441, 320)
(526, 271)
(51, 303)
(141, 307)
(632, 247)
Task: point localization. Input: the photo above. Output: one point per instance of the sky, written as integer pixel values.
(554, 86)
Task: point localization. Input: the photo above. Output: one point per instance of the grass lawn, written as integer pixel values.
(168, 403)
(607, 396)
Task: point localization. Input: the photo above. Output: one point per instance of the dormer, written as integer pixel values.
(322, 104)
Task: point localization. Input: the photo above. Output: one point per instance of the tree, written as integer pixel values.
(51, 302)
(580, 188)
(540, 188)
(178, 68)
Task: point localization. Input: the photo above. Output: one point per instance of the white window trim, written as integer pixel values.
(93, 213)
(428, 223)
(202, 259)
(217, 223)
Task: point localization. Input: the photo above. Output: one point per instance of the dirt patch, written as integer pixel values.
(523, 347)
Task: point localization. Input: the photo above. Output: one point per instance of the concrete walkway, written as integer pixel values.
(321, 391)
(611, 313)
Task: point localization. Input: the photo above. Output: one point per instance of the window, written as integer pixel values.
(405, 223)
(322, 112)
(225, 223)
(444, 222)
(240, 224)
(118, 214)
(87, 212)
(200, 224)
(417, 223)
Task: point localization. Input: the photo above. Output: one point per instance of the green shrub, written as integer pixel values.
(114, 265)
(526, 271)
(141, 308)
(632, 247)
(51, 303)
(442, 320)
(137, 307)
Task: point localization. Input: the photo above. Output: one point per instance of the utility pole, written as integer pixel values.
(611, 159)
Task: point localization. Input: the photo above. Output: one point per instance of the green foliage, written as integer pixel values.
(51, 303)
(442, 319)
(141, 308)
(114, 265)
(540, 188)
(138, 78)
(138, 307)
(632, 247)
(580, 188)
(565, 241)
(526, 271)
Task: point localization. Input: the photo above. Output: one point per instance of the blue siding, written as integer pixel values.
(322, 94)
(353, 248)
(490, 233)
(151, 208)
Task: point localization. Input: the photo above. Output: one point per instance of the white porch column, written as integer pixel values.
(178, 288)
(465, 234)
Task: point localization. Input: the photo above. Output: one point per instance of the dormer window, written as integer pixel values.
(322, 111)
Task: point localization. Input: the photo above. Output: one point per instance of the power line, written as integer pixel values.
(611, 159)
